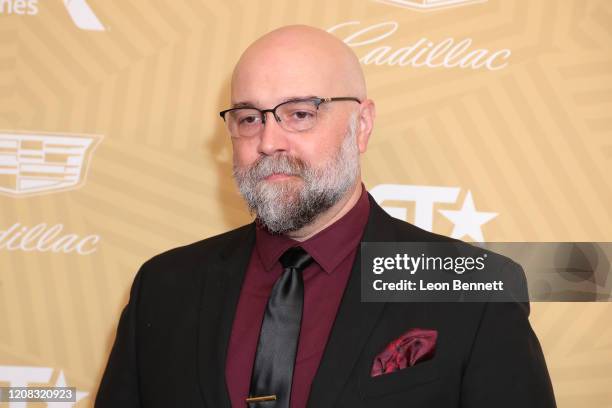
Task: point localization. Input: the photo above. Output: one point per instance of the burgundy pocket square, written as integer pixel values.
(412, 347)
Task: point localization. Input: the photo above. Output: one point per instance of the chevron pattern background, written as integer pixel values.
(531, 141)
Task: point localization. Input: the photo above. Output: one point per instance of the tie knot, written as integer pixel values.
(295, 258)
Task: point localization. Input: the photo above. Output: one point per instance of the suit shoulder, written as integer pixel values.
(190, 253)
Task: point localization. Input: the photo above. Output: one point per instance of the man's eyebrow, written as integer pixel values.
(249, 104)
(244, 104)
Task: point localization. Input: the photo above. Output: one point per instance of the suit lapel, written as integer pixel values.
(354, 322)
(219, 299)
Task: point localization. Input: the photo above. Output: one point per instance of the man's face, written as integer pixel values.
(287, 190)
(288, 178)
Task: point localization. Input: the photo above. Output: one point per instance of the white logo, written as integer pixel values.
(448, 53)
(21, 376)
(43, 238)
(426, 5)
(19, 7)
(79, 11)
(82, 15)
(35, 163)
(467, 221)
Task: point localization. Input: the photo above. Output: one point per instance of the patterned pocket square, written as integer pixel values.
(412, 347)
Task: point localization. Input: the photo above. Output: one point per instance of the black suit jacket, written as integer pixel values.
(173, 335)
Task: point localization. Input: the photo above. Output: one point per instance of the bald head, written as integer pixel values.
(299, 173)
(295, 61)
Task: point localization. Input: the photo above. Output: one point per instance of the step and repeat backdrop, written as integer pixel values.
(494, 124)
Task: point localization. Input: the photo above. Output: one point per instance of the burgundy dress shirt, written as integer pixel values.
(333, 250)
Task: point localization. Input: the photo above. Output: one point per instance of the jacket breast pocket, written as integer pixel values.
(401, 380)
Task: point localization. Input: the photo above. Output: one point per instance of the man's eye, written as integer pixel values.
(248, 120)
(302, 115)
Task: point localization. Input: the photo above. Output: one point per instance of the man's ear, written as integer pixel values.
(367, 114)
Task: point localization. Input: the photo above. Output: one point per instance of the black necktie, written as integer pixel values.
(280, 331)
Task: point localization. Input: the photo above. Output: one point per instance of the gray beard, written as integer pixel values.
(284, 207)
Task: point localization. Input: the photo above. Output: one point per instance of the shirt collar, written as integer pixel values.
(328, 247)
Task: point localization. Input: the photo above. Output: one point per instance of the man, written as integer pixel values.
(269, 314)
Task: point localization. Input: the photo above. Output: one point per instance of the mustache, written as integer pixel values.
(267, 165)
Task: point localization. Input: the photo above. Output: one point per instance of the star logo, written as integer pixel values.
(61, 382)
(467, 220)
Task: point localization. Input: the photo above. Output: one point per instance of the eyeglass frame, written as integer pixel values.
(317, 99)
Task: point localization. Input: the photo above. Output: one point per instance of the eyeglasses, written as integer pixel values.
(296, 115)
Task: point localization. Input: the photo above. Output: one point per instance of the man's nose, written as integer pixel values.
(273, 137)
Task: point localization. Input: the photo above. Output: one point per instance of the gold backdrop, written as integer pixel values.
(494, 123)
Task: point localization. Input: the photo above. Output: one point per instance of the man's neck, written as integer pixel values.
(333, 214)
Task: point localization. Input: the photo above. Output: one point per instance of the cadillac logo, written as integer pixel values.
(36, 163)
(426, 5)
